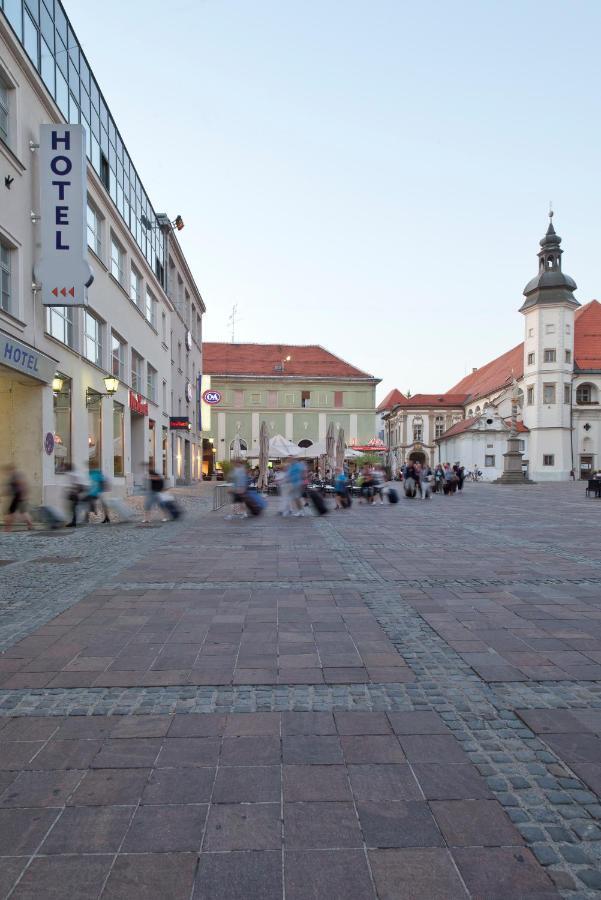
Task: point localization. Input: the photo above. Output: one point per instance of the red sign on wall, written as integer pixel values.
(138, 404)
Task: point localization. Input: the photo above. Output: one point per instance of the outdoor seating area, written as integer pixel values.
(593, 488)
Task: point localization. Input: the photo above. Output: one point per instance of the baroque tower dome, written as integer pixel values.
(551, 285)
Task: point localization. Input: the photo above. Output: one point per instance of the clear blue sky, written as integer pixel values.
(371, 176)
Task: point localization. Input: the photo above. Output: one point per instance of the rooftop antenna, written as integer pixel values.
(232, 321)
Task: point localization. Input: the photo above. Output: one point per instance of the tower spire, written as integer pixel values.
(551, 285)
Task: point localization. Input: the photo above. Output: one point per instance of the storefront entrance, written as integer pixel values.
(586, 467)
(417, 457)
(137, 448)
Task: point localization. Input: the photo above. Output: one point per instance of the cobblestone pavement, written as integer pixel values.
(482, 608)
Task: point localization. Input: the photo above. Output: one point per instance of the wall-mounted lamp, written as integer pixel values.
(57, 383)
(112, 386)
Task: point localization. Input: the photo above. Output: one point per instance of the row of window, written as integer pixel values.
(63, 430)
(440, 427)
(307, 399)
(46, 36)
(549, 329)
(143, 298)
(180, 298)
(61, 323)
(550, 356)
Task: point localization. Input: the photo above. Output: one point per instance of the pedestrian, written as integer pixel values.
(240, 484)
(341, 490)
(426, 482)
(297, 483)
(410, 483)
(75, 493)
(98, 485)
(449, 480)
(16, 487)
(154, 489)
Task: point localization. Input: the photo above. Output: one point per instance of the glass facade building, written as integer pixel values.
(45, 33)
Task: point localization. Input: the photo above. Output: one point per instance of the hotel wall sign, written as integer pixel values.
(212, 397)
(25, 359)
(63, 269)
(138, 404)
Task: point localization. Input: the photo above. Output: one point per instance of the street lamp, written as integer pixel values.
(112, 386)
(57, 383)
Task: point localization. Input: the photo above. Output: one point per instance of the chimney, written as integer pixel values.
(474, 369)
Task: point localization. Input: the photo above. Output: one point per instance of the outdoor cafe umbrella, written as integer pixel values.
(340, 449)
(330, 448)
(281, 448)
(263, 456)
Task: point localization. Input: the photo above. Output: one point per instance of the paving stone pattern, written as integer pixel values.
(436, 666)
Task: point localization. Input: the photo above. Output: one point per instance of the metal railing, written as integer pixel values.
(221, 495)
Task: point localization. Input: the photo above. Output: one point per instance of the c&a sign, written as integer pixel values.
(63, 269)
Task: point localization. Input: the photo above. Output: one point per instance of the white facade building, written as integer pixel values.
(125, 329)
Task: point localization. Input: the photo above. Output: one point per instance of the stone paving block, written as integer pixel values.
(503, 873)
(550, 721)
(181, 752)
(107, 787)
(239, 875)
(398, 824)
(128, 753)
(311, 749)
(250, 724)
(457, 781)
(243, 826)
(96, 829)
(259, 750)
(362, 723)
(416, 874)
(474, 823)
(247, 784)
(308, 723)
(417, 722)
(384, 782)
(435, 748)
(166, 829)
(56, 877)
(38, 728)
(56, 754)
(22, 830)
(197, 725)
(575, 748)
(321, 825)
(145, 876)
(327, 875)
(189, 785)
(39, 789)
(372, 749)
(316, 782)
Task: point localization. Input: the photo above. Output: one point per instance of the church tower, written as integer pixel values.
(549, 362)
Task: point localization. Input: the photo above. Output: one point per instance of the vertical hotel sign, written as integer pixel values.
(63, 270)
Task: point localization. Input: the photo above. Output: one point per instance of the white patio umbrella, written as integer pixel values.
(281, 448)
(330, 447)
(263, 456)
(340, 449)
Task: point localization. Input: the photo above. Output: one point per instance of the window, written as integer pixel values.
(117, 357)
(94, 403)
(568, 355)
(255, 399)
(135, 286)
(5, 277)
(3, 112)
(489, 461)
(136, 372)
(550, 329)
(531, 359)
(550, 355)
(548, 459)
(118, 442)
(521, 446)
(164, 396)
(439, 426)
(92, 338)
(418, 430)
(151, 383)
(150, 310)
(338, 400)
(567, 394)
(305, 399)
(531, 332)
(238, 399)
(94, 231)
(568, 329)
(530, 396)
(272, 399)
(117, 257)
(164, 328)
(179, 355)
(584, 394)
(62, 426)
(60, 323)
(548, 393)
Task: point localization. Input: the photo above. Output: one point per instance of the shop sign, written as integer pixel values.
(179, 423)
(26, 359)
(63, 270)
(138, 404)
(212, 397)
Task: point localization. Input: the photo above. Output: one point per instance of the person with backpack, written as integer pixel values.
(98, 486)
(154, 489)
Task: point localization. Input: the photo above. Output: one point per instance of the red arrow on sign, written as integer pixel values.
(64, 292)
(72, 291)
(55, 292)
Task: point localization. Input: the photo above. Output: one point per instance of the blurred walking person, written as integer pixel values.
(76, 492)
(239, 490)
(98, 486)
(154, 489)
(16, 488)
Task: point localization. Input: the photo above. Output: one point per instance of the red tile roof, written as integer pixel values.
(265, 359)
(587, 336)
(493, 375)
(391, 399)
(426, 400)
(466, 424)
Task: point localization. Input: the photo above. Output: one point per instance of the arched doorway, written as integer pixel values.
(418, 456)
